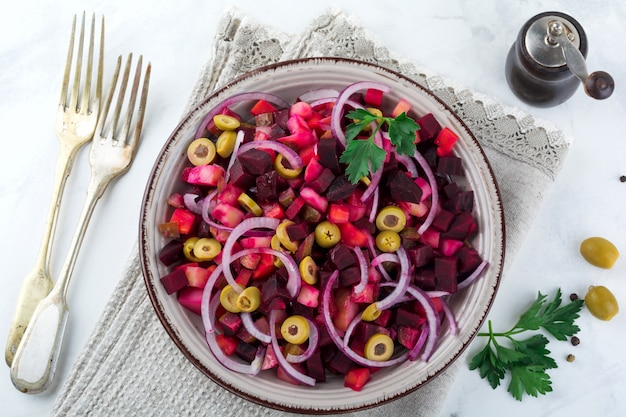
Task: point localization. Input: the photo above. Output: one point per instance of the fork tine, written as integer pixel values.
(98, 96)
(79, 63)
(131, 101)
(68, 67)
(120, 97)
(107, 103)
(142, 109)
(87, 88)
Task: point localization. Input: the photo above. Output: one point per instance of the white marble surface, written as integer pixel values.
(462, 40)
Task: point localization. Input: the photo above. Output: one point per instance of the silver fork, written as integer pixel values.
(75, 126)
(112, 152)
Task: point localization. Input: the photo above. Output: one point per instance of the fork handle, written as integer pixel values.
(36, 358)
(37, 284)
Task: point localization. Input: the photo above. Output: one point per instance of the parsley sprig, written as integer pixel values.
(363, 155)
(527, 360)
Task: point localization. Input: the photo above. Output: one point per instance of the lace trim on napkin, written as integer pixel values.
(248, 45)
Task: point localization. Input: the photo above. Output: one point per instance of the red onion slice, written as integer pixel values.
(192, 203)
(434, 197)
(233, 156)
(452, 324)
(362, 269)
(248, 323)
(473, 276)
(432, 319)
(311, 348)
(415, 350)
(404, 280)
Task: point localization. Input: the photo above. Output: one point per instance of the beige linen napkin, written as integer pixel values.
(130, 367)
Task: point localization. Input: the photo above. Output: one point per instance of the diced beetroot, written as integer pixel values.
(230, 323)
(469, 260)
(365, 225)
(206, 175)
(402, 188)
(300, 140)
(315, 367)
(297, 124)
(402, 106)
(228, 344)
(461, 201)
(228, 215)
(451, 190)
(246, 351)
(191, 299)
(445, 141)
(364, 330)
(443, 220)
(450, 165)
(349, 276)
(327, 151)
(265, 267)
(356, 378)
(429, 127)
(171, 253)
(431, 237)
(340, 189)
(243, 277)
(255, 161)
(405, 317)
(176, 200)
(309, 295)
(339, 363)
(384, 319)
(313, 199)
(373, 97)
(446, 274)
(462, 226)
(244, 335)
(197, 276)
(303, 310)
(273, 210)
(174, 281)
(286, 197)
(302, 109)
(313, 170)
(229, 195)
(352, 236)
(356, 212)
(253, 242)
(408, 336)
(308, 154)
(298, 231)
(294, 208)
(425, 278)
(420, 255)
(341, 257)
(185, 220)
(338, 213)
(373, 276)
(280, 373)
(346, 309)
(270, 360)
(367, 296)
(239, 177)
(424, 186)
(305, 248)
(449, 247)
(323, 181)
(262, 106)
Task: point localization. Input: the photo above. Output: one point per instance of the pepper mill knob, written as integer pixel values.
(599, 85)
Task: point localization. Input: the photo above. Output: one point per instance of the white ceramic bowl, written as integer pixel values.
(470, 306)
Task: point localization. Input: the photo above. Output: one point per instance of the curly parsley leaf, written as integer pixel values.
(363, 155)
(527, 360)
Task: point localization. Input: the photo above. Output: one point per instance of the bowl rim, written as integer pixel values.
(145, 260)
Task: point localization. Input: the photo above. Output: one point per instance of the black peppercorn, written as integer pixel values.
(575, 341)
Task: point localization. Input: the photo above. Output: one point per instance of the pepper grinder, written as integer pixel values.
(546, 64)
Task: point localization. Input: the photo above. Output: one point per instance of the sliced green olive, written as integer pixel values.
(225, 122)
(283, 236)
(249, 299)
(379, 347)
(391, 218)
(188, 249)
(327, 234)
(228, 299)
(388, 241)
(295, 329)
(276, 245)
(371, 312)
(225, 143)
(206, 249)
(601, 302)
(283, 171)
(201, 151)
(308, 270)
(249, 204)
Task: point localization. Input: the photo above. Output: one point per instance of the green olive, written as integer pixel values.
(249, 204)
(225, 122)
(391, 218)
(601, 302)
(379, 347)
(327, 234)
(283, 236)
(599, 251)
(188, 249)
(295, 329)
(225, 144)
(371, 312)
(308, 270)
(283, 171)
(201, 151)
(206, 249)
(249, 299)
(388, 241)
(228, 299)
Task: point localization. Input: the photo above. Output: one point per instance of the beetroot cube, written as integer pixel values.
(450, 165)
(323, 181)
(408, 336)
(424, 278)
(349, 276)
(469, 260)
(174, 281)
(315, 367)
(255, 161)
(246, 351)
(342, 257)
(462, 201)
(421, 255)
(294, 208)
(230, 323)
(298, 231)
(340, 189)
(327, 150)
(462, 226)
(443, 220)
(239, 177)
(402, 188)
(429, 127)
(446, 274)
(171, 253)
(340, 363)
(267, 186)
